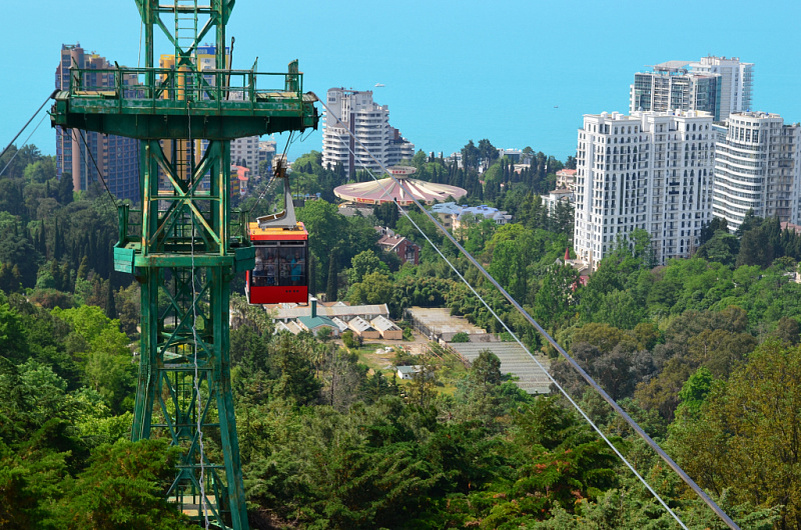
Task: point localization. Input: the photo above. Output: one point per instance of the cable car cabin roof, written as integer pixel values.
(277, 233)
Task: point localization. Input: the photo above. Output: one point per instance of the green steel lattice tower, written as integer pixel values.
(182, 246)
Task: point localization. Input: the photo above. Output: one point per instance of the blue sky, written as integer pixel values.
(453, 71)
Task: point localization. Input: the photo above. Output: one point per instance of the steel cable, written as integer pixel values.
(640, 432)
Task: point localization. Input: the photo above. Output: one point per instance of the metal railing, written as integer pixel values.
(183, 84)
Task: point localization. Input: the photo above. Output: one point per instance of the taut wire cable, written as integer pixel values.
(673, 465)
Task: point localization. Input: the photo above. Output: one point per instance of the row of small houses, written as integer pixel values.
(366, 321)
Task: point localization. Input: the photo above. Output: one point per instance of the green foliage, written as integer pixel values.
(41, 171)
(375, 288)
(694, 392)
(335, 238)
(364, 263)
(387, 214)
(328, 443)
(350, 339)
(416, 290)
(107, 359)
(722, 247)
(460, 337)
(559, 464)
(556, 301)
(12, 333)
(123, 488)
(743, 437)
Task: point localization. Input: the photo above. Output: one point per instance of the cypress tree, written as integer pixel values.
(41, 243)
(83, 270)
(111, 306)
(17, 278)
(91, 253)
(312, 273)
(66, 280)
(58, 244)
(331, 286)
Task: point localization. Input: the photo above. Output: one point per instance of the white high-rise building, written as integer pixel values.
(736, 82)
(649, 170)
(355, 110)
(245, 152)
(250, 152)
(758, 166)
(672, 87)
(713, 84)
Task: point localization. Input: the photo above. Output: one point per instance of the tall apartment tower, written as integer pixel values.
(250, 152)
(245, 152)
(758, 166)
(716, 85)
(370, 124)
(649, 170)
(81, 153)
(672, 87)
(736, 82)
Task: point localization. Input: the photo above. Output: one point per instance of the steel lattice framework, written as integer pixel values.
(182, 246)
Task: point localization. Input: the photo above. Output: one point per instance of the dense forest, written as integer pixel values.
(702, 352)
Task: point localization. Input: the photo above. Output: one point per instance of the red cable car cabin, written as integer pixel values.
(282, 265)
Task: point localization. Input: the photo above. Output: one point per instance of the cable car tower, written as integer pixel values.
(182, 247)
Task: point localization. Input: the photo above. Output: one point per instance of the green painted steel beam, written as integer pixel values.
(175, 127)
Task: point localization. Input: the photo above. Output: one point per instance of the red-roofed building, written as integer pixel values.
(239, 179)
(407, 251)
(790, 226)
(566, 178)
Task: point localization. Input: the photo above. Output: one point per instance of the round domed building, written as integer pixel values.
(404, 191)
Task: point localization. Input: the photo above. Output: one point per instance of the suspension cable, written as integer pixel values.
(23, 145)
(272, 180)
(533, 357)
(673, 465)
(51, 96)
(190, 167)
(100, 175)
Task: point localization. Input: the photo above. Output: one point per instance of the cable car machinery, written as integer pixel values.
(280, 241)
(182, 246)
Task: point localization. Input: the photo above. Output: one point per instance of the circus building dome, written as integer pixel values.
(388, 190)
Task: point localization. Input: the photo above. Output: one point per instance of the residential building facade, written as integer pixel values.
(671, 87)
(245, 152)
(355, 111)
(566, 178)
(717, 85)
(251, 151)
(553, 198)
(408, 251)
(452, 216)
(86, 156)
(758, 167)
(736, 82)
(651, 171)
